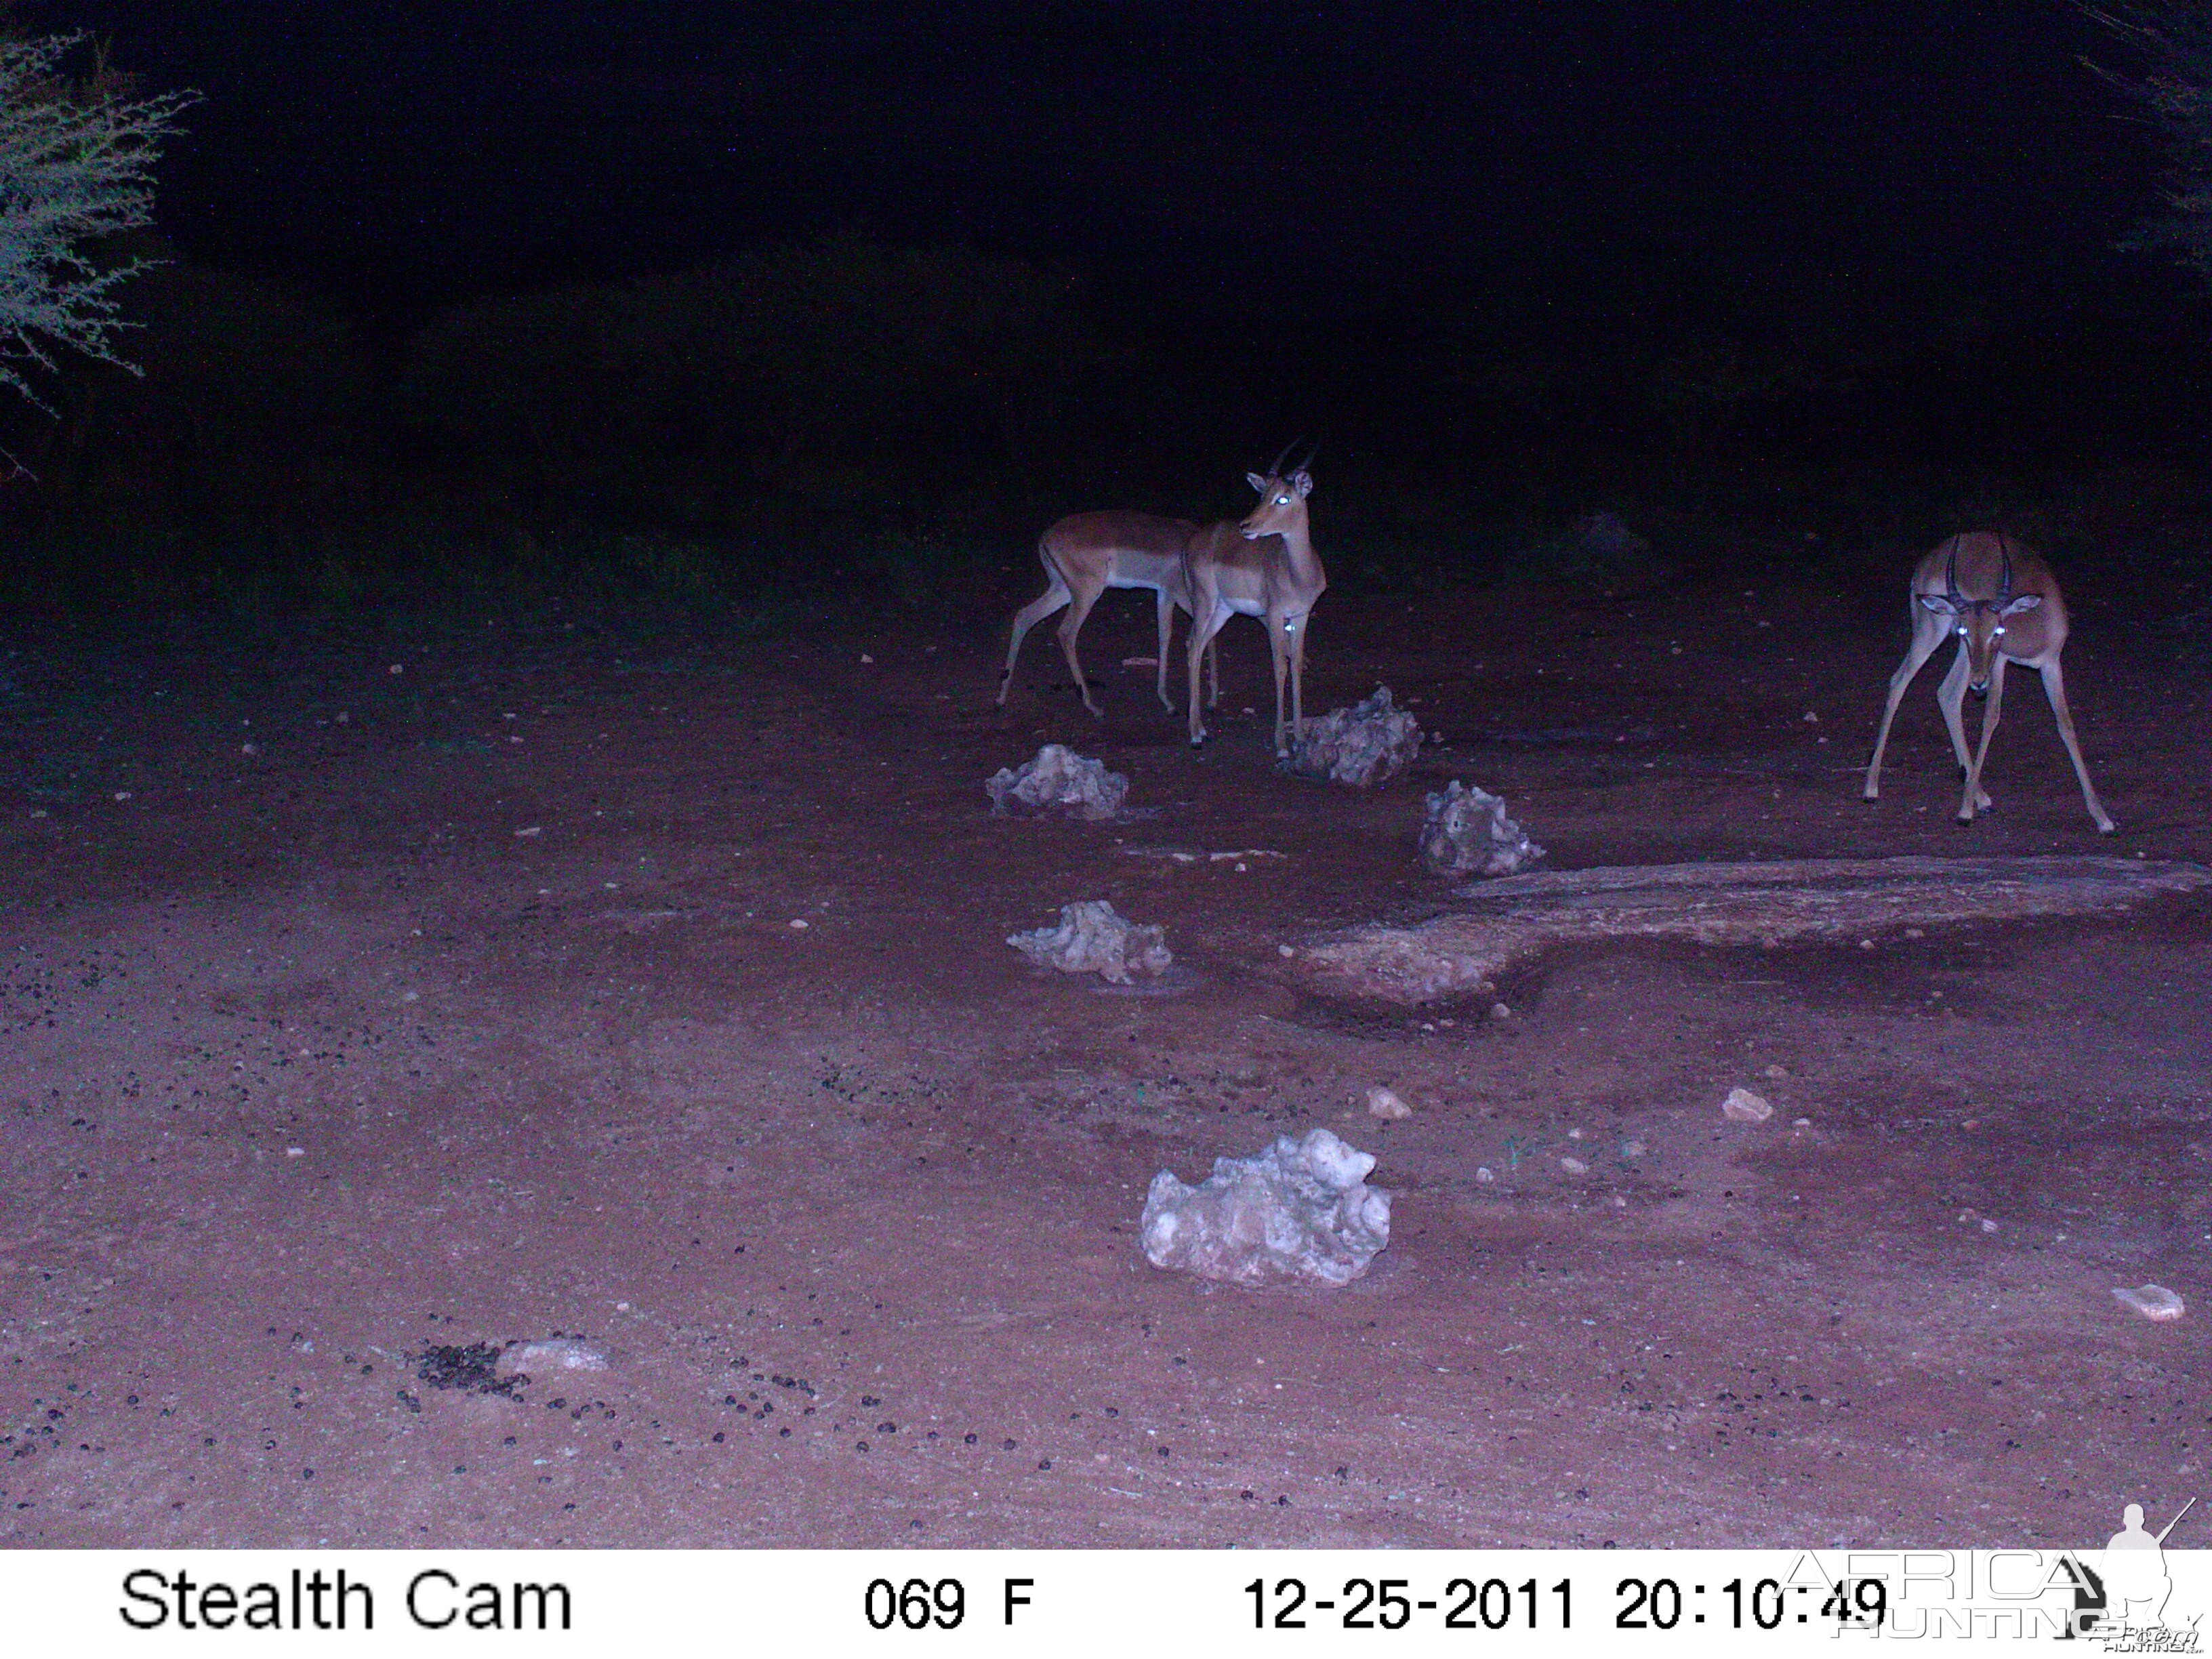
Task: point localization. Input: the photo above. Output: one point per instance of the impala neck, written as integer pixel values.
(1298, 546)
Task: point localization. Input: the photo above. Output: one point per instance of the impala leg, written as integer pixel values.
(2054, 688)
(1278, 649)
(1924, 645)
(1298, 678)
(1167, 610)
(1079, 609)
(1951, 698)
(1202, 636)
(1213, 670)
(1026, 619)
(1990, 713)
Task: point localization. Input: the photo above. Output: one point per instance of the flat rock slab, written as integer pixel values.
(1510, 921)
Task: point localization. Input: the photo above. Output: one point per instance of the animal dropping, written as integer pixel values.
(1302, 1209)
(1093, 937)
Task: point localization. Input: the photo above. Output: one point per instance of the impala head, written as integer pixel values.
(1282, 497)
(1980, 622)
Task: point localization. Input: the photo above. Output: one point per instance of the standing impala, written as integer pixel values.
(1265, 567)
(1085, 554)
(2003, 603)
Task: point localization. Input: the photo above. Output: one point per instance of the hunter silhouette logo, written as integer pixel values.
(2121, 1603)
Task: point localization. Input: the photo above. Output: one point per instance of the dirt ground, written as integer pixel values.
(373, 999)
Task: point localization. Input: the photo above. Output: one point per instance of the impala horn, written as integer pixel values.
(1951, 578)
(1309, 460)
(1276, 469)
(2004, 581)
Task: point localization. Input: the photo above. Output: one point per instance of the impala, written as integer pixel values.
(2003, 603)
(1085, 554)
(1264, 567)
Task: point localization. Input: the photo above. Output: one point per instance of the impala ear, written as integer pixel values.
(1939, 605)
(2024, 602)
(1258, 483)
(1302, 481)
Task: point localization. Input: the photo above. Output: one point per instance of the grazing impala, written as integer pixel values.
(1265, 567)
(2003, 603)
(1085, 554)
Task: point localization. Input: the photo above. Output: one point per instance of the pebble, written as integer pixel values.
(2153, 1302)
(1387, 1104)
(1484, 1176)
(1499, 1010)
(799, 924)
(1285, 951)
(1742, 1106)
(1574, 1166)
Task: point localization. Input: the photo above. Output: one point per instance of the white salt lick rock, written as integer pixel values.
(1302, 1209)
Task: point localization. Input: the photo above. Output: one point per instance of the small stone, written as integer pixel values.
(865, 658)
(2153, 1302)
(249, 749)
(1574, 1166)
(123, 794)
(1499, 1010)
(533, 830)
(560, 1354)
(1286, 950)
(1811, 718)
(1988, 1225)
(1801, 1123)
(1777, 1074)
(1483, 1175)
(1632, 1149)
(295, 1151)
(1387, 1104)
(799, 924)
(1742, 1106)
(1866, 944)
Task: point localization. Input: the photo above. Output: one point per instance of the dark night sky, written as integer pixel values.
(1329, 158)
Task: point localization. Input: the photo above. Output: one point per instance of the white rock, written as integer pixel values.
(1574, 1166)
(1302, 1209)
(556, 1353)
(1742, 1106)
(1483, 1175)
(1386, 1103)
(1093, 937)
(1364, 745)
(1467, 833)
(1058, 781)
(2153, 1302)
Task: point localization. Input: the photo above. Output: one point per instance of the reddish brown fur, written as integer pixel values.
(1961, 590)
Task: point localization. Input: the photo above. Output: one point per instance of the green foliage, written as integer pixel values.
(838, 371)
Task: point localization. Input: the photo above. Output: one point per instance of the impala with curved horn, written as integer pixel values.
(1086, 553)
(1263, 567)
(2001, 602)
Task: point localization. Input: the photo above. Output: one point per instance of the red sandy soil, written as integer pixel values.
(313, 1061)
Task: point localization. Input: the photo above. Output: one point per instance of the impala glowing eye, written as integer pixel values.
(1282, 501)
(1998, 635)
